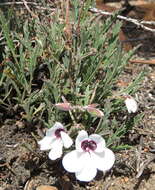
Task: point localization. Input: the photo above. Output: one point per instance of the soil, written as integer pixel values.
(24, 167)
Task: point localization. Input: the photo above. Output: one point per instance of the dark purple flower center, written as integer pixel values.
(88, 145)
(57, 132)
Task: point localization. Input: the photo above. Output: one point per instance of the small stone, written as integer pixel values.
(152, 144)
(46, 187)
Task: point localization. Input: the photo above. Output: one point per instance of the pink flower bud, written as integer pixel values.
(94, 111)
(63, 106)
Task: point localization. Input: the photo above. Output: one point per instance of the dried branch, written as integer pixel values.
(151, 62)
(35, 5)
(148, 22)
(140, 24)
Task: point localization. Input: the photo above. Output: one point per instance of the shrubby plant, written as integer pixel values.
(64, 68)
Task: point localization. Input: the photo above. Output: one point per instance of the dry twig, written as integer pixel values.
(17, 3)
(151, 62)
(28, 9)
(140, 24)
(144, 165)
(35, 5)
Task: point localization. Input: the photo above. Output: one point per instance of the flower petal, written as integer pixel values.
(104, 160)
(51, 132)
(99, 141)
(74, 161)
(46, 143)
(57, 142)
(56, 151)
(83, 135)
(88, 172)
(67, 141)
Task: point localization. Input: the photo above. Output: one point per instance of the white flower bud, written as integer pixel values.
(131, 104)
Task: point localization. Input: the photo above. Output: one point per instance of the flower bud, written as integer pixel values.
(94, 111)
(63, 106)
(131, 104)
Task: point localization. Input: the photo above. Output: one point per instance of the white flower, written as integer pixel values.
(55, 139)
(131, 104)
(90, 155)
